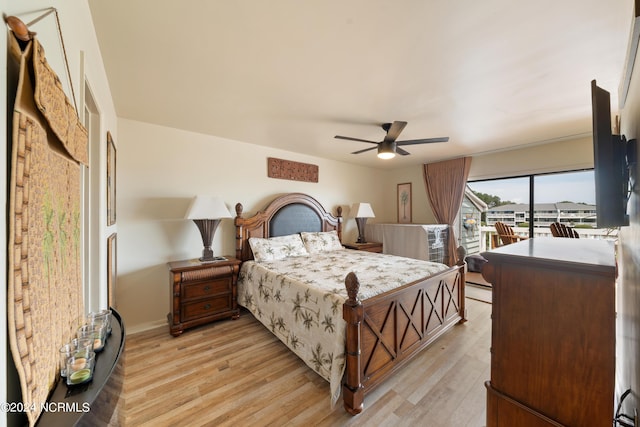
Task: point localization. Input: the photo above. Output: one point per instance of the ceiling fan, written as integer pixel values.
(388, 147)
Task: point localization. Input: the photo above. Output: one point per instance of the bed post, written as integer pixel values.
(353, 315)
(462, 253)
(238, 224)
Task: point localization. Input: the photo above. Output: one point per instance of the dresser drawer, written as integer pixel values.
(206, 307)
(204, 289)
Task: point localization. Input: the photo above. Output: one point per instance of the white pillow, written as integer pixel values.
(323, 241)
(275, 248)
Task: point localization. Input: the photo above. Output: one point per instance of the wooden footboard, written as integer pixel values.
(386, 331)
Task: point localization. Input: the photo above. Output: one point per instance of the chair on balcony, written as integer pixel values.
(506, 233)
(561, 230)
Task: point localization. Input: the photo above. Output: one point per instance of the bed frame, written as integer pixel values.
(384, 332)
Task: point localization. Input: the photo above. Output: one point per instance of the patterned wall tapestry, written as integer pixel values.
(45, 299)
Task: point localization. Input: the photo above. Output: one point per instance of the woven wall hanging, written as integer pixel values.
(45, 295)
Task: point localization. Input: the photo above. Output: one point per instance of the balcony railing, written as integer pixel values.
(486, 241)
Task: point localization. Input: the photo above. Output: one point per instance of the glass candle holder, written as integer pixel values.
(80, 368)
(96, 332)
(82, 345)
(100, 322)
(65, 352)
(103, 316)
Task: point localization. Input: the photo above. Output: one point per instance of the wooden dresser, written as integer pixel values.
(553, 333)
(202, 292)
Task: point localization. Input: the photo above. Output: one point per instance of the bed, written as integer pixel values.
(361, 317)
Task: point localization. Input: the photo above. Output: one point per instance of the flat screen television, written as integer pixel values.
(610, 164)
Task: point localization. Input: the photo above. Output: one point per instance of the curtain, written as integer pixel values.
(445, 183)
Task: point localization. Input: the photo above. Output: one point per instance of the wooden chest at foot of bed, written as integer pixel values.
(202, 292)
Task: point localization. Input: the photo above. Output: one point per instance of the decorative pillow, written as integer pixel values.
(275, 248)
(323, 241)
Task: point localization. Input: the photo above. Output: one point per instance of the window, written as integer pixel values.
(531, 203)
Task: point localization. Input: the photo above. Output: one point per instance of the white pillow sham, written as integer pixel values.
(323, 241)
(275, 248)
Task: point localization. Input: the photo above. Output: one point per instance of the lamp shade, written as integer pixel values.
(362, 210)
(207, 207)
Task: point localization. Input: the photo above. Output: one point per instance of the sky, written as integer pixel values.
(578, 187)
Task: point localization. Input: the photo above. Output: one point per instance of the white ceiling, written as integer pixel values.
(291, 74)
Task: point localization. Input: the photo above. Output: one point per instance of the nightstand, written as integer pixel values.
(369, 246)
(202, 292)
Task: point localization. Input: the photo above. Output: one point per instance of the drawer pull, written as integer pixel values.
(207, 306)
(207, 288)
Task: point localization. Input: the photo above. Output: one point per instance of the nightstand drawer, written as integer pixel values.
(213, 287)
(207, 273)
(206, 307)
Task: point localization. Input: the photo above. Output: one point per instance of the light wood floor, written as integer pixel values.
(237, 373)
(477, 279)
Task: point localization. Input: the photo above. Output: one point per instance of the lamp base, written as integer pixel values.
(207, 254)
(361, 222)
(207, 228)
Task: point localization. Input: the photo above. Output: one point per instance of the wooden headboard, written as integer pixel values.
(287, 214)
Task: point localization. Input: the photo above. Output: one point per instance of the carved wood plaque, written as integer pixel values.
(295, 171)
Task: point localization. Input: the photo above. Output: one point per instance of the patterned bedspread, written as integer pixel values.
(300, 299)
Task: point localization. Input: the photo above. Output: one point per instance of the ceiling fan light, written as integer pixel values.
(386, 150)
(386, 155)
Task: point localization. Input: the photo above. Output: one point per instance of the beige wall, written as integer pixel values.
(420, 208)
(564, 155)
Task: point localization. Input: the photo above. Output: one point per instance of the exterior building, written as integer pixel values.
(544, 214)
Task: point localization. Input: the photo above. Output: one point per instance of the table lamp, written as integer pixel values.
(362, 211)
(206, 212)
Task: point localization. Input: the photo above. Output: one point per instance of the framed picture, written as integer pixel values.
(111, 180)
(404, 203)
(112, 269)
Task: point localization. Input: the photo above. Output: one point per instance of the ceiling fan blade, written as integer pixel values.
(348, 138)
(423, 141)
(362, 151)
(402, 152)
(394, 131)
